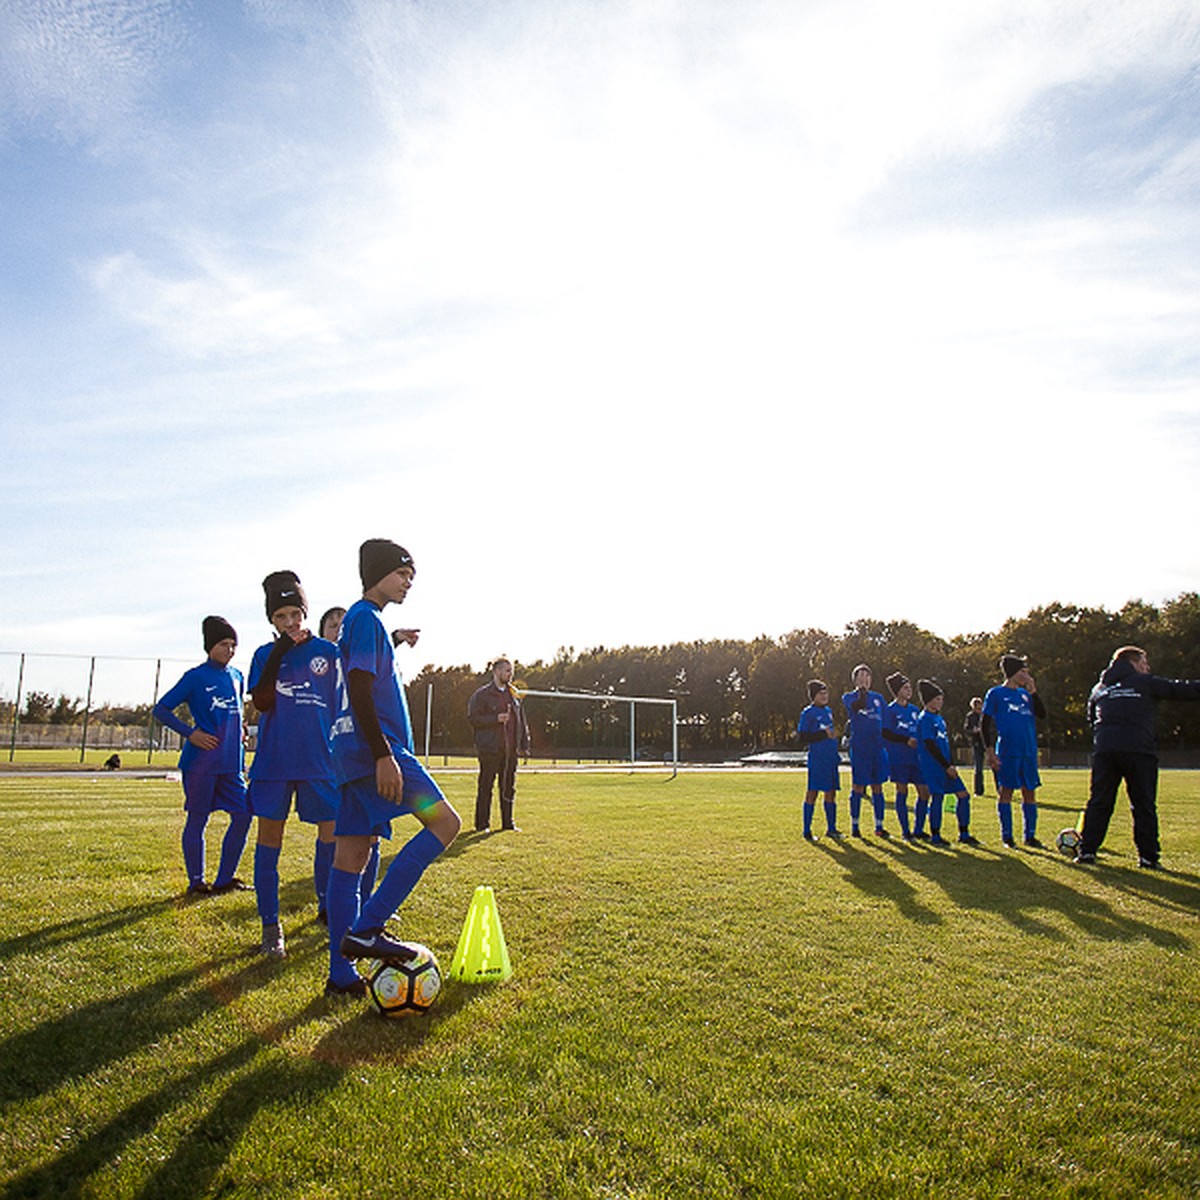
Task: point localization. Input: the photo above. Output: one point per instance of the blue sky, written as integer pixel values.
(634, 322)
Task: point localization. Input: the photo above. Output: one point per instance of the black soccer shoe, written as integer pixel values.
(357, 988)
(375, 943)
(232, 885)
(1085, 858)
(1034, 843)
(1150, 864)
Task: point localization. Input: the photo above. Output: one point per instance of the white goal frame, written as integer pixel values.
(633, 702)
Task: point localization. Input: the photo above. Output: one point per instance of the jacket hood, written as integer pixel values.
(1117, 672)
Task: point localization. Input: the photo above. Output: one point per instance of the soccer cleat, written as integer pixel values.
(357, 988)
(856, 832)
(1149, 864)
(836, 834)
(1009, 843)
(272, 942)
(231, 885)
(968, 839)
(1085, 858)
(937, 840)
(1034, 843)
(199, 888)
(810, 836)
(511, 828)
(375, 943)
(881, 832)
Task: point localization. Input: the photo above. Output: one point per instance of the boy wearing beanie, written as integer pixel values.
(900, 733)
(868, 759)
(293, 683)
(1011, 712)
(815, 730)
(380, 777)
(213, 756)
(937, 767)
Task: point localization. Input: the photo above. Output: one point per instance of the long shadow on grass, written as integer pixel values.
(205, 1147)
(1007, 885)
(85, 1039)
(877, 878)
(90, 927)
(1176, 891)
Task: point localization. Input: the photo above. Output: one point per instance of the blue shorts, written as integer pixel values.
(904, 773)
(363, 811)
(204, 793)
(868, 768)
(823, 777)
(1018, 772)
(316, 799)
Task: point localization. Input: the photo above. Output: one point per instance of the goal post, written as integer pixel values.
(633, 702)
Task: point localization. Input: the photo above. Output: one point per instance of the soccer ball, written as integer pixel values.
(1068, 842)
(404, 989)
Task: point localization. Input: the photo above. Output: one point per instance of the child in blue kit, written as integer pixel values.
(900, 732)
(1011, 712)
(815, 730)
(937, 767)
(213, 756)
(380, 777)
(868, 759)
(293, 683)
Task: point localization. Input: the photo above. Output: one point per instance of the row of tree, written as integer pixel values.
(738, 696)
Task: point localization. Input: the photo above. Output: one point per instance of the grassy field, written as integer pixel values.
(702, 1005)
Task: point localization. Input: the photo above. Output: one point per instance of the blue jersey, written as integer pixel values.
(1011, 709)
(815, 719)
(931, 727)
(293, 734)
(364, 645)
(213, 695)
(902, 719)
(866, 724)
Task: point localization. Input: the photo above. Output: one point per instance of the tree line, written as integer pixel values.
(737, 696)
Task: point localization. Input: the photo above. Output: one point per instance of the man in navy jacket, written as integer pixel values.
(1121, 712)
(501, 733)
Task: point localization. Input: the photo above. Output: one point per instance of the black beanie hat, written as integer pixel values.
(815, 686)
(378, 557)
(216, 629)
(896, 681)
(860, 667)
(1011, 663)
(928, 690)
(283, 590)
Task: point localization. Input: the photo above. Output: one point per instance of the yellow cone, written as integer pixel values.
(482, 956)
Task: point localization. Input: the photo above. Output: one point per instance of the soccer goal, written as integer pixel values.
(608, 698)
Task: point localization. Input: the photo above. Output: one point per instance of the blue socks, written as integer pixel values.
(902, 813)
(370, 874)
(962, 810)
(879, 805)
(232, 846)
(1006, 828)
(341, 906)
(809, 810)
(855, 808)
(266, 883)
(921, 813)
(1029, 817)
(402, 875)
(830, 816)
(322, 865)
(193, 846)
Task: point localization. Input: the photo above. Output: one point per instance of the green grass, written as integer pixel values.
(702, 1005)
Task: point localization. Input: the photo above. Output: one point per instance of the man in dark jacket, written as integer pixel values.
(1121, 712)
(501, 734)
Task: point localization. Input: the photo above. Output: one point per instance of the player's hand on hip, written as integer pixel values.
(202, 740)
